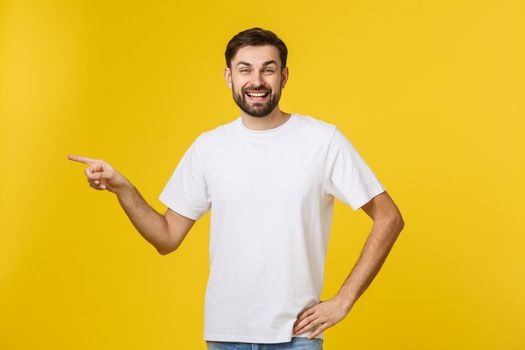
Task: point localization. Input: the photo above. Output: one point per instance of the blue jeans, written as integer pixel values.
(297, 343)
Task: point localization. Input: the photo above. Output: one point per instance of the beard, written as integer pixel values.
(256, 109)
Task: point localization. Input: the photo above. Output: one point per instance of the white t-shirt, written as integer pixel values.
(271, 194)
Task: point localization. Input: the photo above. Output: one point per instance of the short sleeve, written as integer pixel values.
(186, 191)
(347, 176)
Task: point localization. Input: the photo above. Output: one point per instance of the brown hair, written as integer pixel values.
(255, 37)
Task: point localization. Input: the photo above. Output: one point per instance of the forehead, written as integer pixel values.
(256, 55)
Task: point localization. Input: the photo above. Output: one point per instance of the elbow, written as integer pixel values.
(165, 250)
(167, 244)
(394, 221)
(399, 222)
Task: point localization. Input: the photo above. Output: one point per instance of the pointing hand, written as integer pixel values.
(101, 175)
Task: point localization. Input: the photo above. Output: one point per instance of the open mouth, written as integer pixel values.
(257, 95)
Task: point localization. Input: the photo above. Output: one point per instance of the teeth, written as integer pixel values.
(256, 94)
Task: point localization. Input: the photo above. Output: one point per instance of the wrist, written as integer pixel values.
(124, 188)
(346, 301)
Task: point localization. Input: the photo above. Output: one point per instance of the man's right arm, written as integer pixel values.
(165, 233)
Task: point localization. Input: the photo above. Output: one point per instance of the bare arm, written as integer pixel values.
(165, 233)
(388, 223)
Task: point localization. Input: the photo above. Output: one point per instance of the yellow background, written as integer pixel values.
(430, 92)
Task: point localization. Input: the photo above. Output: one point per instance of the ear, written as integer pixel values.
(284, 77)
(228, 77)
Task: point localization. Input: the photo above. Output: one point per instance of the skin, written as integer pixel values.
(248, 71)
(166, 232)
(388, 222)
(387, 225)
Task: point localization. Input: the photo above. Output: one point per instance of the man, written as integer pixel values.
(271, 178)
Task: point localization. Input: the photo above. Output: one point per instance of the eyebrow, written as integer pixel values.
(267, 63)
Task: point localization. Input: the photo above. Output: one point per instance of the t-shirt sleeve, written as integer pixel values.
(186, 191)
(347, 176)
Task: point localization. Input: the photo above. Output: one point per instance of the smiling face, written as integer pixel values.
(256, 80)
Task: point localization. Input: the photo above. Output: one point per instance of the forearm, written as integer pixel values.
(379, 243)
(148, 222)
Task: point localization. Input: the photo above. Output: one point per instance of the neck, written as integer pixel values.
(270, 121)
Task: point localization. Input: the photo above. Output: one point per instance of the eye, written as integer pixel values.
(269, 71)
(244, 70)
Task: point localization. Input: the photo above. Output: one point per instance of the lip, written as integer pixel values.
(257, 98)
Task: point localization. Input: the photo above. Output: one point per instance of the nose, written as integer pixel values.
(257, 79)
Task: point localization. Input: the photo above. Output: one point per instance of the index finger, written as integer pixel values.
(81, 159)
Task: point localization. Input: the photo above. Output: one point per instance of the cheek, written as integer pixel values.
(241, 84)
(275, 83)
